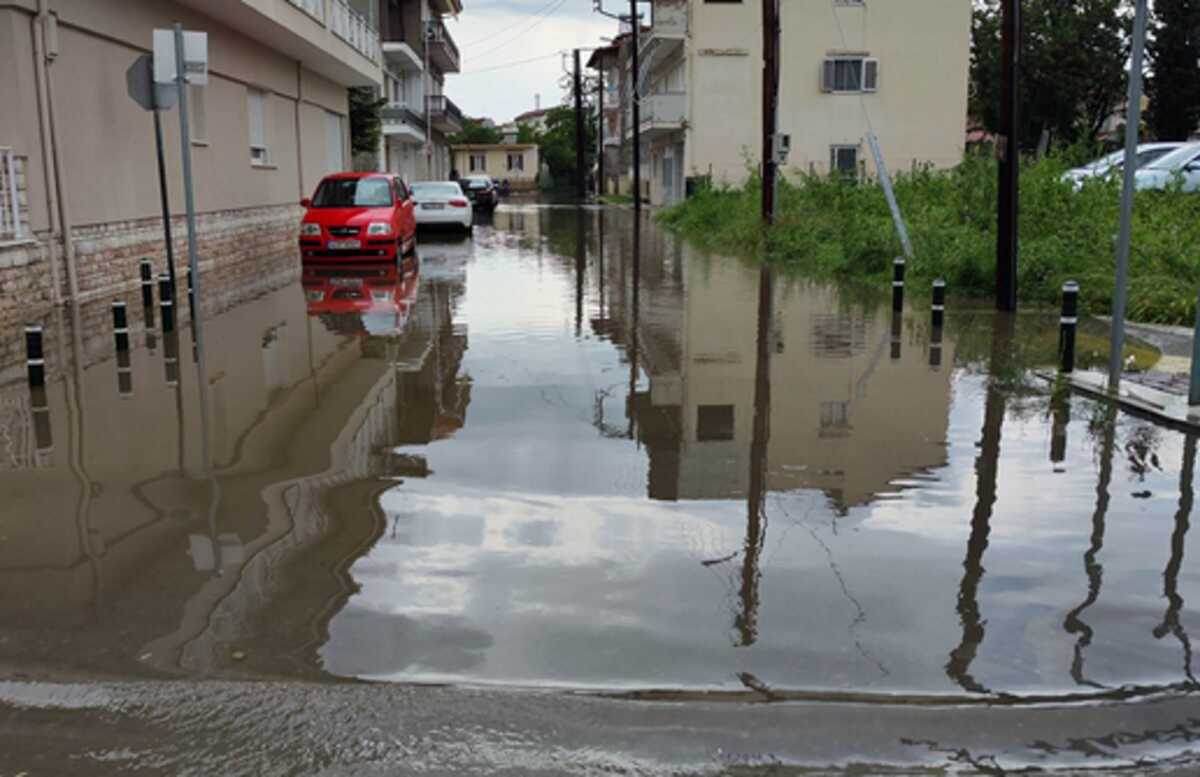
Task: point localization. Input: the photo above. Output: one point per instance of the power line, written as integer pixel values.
(557, 4)
(513, 26)
(511, 64)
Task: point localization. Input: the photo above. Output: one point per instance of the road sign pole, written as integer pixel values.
(162, 193)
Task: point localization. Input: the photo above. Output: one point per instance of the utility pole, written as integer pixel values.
(1008, 148)
(635, 31)
(600, 125)
(580, 188)
(1133, 120)
(770, 107)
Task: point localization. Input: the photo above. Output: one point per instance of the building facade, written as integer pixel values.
(419, 52)
(847, 65)
(79, 154)
(516, 163)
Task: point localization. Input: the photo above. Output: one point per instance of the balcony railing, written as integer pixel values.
(12, 187)
(663, 111)
(444, 115)
(314, 8)
(395, 113)
(442, 50)
(352, 27)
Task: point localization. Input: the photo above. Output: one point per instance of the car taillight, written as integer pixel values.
(458, 203)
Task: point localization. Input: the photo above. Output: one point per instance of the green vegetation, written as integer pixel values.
(832, 228)
(475, 131)
(366, 126)
(556, 144)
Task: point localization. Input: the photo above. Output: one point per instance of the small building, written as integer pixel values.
(535, 118)
(516, 163)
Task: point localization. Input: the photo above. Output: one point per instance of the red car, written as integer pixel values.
(358, 217)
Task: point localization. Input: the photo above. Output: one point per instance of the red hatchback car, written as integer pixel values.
(358, 217)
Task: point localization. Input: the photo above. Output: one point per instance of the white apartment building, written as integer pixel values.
(900, 66)
(418, 52)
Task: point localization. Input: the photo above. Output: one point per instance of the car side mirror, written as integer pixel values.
(306, 203)
(1193, 167)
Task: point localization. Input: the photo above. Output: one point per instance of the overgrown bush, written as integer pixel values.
(830, 227)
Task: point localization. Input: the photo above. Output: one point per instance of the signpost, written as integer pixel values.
(139, 81)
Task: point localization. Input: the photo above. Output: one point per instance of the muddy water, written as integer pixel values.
(564, 454)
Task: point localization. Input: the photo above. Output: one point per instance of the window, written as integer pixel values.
(478, 163)
(335, 143)
(850, 74)
(835, 419)
(843, 161)
(256, 109)
(516, 161)
(374, 192)
(197, 114)
(714, 422)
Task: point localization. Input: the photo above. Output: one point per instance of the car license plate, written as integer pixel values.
(433, 206)
(341, 245)
(350, 281)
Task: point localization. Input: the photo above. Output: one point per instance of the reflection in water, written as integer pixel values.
(1094, 571)
(958, 668)
(1172, 623)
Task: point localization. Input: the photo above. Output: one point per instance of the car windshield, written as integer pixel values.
(478, 183)
(1175, 159)
(432, 190)
(353, 193)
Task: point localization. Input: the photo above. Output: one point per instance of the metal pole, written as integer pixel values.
(162, 194)
(1194, 386)
(635, 31)
(580, 188)
(770, 98)
(600, 126)
(1133, 119)
(1009, 150)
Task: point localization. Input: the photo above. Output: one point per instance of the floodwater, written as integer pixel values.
(569, 454)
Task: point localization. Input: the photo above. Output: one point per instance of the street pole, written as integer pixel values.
(162, 193)
(770, 105)
(635, 31)
(600, 126)
(1133, 119)
(580, 188)
(1008, 148)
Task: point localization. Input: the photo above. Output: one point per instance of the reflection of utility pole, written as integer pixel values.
(746, 621)
(580, 266)
(1094, 570)
(631, 410)
(958, 667)
(1171, 623)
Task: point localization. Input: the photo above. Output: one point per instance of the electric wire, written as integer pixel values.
(510, 27)
(515, 63)
(557, 4)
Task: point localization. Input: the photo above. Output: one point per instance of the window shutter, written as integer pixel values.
(870, 75)
(828, 75)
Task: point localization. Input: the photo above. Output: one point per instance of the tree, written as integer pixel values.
(1174, 56)
(526, 133)
(475, 131)
(1073, 55)
(557, 143)
(366, 125)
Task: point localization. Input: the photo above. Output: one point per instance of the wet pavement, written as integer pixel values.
(631, 507)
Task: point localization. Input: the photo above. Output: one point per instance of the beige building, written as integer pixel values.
(846, 65)
(272, 120)
(516, 163)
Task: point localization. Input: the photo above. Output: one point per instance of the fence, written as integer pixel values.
(12, 186)
(352, 27)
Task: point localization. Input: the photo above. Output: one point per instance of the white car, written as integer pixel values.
(1114, 162)
(442, 203)
(1182, 164)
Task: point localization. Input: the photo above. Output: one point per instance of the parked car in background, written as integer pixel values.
(442, 203)
(1111, 164)
(482, 192)
(358, 217)
(1182, 165)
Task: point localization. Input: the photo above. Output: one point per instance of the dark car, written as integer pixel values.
(481, 191)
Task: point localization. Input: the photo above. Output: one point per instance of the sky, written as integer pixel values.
(493, 34)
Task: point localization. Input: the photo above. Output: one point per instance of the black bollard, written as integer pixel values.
(124, 375)
(147, 270)
(1067, 325)
(938, 309)
(1060, 404)
(120, 326)
(171, 358)
(191, 296)
(35, 358)
(40, 406)
(898, 284)
(166, 303)
(897, 321)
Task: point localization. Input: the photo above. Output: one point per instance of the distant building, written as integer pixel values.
(509, 133)
(606, 61)
(516, 163)
(700, 73)
(535, 119)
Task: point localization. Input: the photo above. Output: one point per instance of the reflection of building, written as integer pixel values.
(846, 418)
(121, 548)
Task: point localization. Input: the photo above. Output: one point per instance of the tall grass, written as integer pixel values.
(832, 228)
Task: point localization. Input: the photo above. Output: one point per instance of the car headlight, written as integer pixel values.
(314, 295)
(379, 228)
(309, 229)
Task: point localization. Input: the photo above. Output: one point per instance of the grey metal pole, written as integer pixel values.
(1133, 118)
(635, 32)
(1194, 386)
(162, 194)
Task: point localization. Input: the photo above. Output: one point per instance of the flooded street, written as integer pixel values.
(640, 508)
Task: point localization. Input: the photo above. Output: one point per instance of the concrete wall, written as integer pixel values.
(919, 111)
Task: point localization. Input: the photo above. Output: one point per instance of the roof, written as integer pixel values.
(595, 60)
(533, 114)
(493, 147)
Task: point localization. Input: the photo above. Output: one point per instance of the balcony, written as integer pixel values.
(444, 115)
(352, 27)
(661, 114)
(402, 122)
(443, 54)
(665, 37)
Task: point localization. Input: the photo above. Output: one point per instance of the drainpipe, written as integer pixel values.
(39, 73)
(64, 213)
